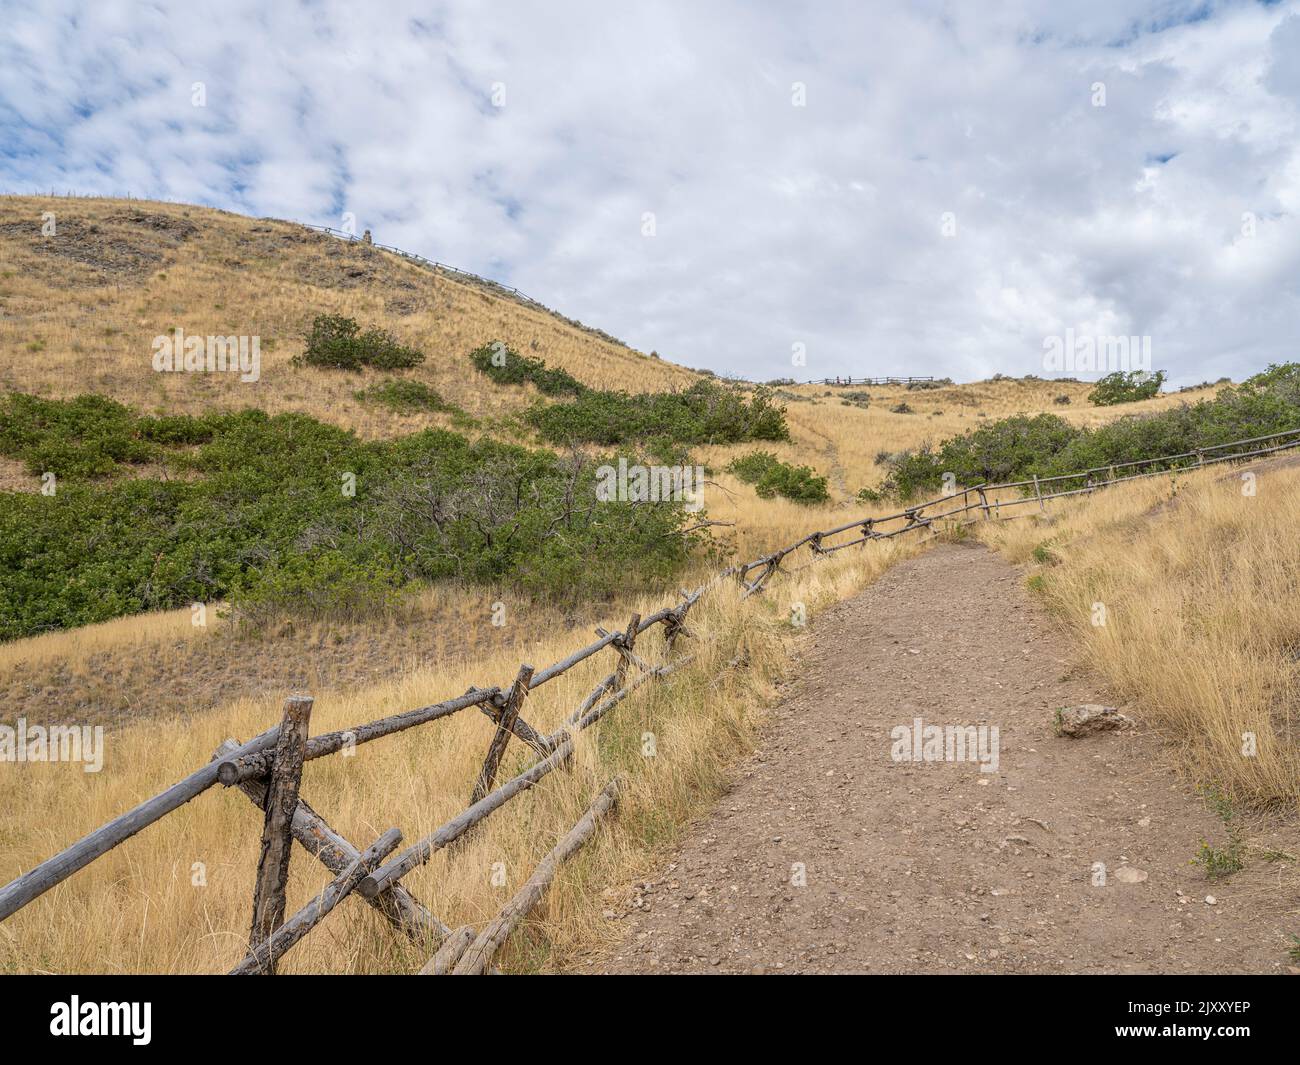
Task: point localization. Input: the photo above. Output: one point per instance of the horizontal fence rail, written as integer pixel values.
(267, 769)
(869, 380)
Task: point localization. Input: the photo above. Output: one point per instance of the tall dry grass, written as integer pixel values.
(82, 309)
(850, 444)
(1198, 583)
(81, 313)
(139, 908)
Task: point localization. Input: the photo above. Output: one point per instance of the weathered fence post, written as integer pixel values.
(626, 643)
(449, 953)
(514, 700)
(984, 502)
(277, 830)
(402, 910)
(478, 955)
(1039, 492)
(264, 956)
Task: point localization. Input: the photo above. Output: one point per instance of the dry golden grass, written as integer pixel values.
(843, 441)
(139, 910)
(83, 308)
(1198, 582)
(81, 315)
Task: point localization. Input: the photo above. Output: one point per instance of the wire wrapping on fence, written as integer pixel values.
(268, 768)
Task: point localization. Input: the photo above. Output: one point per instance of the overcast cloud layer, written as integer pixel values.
(529, 142)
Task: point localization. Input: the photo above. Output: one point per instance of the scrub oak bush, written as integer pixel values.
(772, 477)
(1020, 447)
(403, 396)
(340, 343)
(288, 514)
(85, 437)
(704, 413)
(1121, 387)
(505, 366)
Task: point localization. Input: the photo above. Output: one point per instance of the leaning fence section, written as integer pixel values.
(268, 768)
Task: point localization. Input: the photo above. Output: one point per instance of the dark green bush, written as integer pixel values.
(772, 477)
(84, 437)
(1121, 387)
(505, 366)
(268, 522)
(337, 342)
(1021, 447)
(404, 396)
(705, 413)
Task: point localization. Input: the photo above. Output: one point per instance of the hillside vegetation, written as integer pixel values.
(460, 486)
(1044, 445)
(286, 513)
(82, 308)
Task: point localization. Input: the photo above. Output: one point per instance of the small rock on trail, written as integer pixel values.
(1084, 720)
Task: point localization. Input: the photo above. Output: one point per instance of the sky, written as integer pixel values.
(763, 189)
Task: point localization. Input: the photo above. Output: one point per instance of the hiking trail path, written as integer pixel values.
(937, 866)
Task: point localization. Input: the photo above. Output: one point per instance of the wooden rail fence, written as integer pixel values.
(432, 264)
(268, 768)
(846, 381)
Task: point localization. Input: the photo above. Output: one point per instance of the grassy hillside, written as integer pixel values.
(82, 308)
(83, 305)
(1197, 572)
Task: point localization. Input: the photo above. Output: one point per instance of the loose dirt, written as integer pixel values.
(938, 866)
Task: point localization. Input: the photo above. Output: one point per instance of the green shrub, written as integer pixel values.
(1219, 862)
(505, 366)
(1020, 447)
(89, 436)
(1121, 387)
(404, 396)
(772, 477)
(337, 342)
(288, 510)
(705, 413)
(329, 585)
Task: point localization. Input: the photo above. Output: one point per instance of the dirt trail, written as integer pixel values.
(939, 867)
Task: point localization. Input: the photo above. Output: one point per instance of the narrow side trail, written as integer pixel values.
(937, 866)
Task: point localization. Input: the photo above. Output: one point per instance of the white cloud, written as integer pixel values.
(774, 223)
